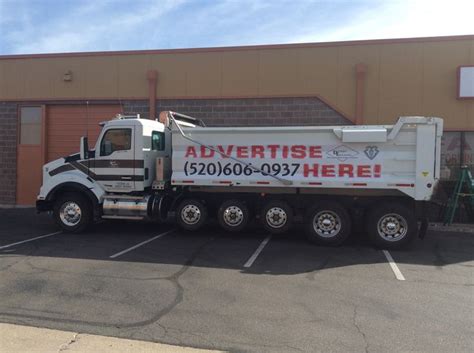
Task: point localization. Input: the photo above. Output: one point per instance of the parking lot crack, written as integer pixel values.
(65, 346)
(357, 326)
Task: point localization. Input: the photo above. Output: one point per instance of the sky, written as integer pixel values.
(52, 26)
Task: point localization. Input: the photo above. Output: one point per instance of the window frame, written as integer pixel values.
(105, 134)
(42, 142)
(162, 141)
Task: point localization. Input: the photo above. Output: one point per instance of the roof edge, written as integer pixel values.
(241, 48)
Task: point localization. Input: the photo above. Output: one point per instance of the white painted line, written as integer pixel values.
(257, 252)
(140, 244)
(394, 266)
(28, 240)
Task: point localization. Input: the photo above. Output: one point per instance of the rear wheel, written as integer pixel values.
(391, 225)
(328, 224)
(277, 217)
(233, 215)
(72, 212)
(191, 214)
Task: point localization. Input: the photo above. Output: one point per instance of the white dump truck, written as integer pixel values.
(330, 178)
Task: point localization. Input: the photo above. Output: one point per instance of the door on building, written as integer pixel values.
(48, 133)
(30, 153)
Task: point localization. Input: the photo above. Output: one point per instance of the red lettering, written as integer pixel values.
(377, 170)
(363, 171)
(346, 169)
(284, 152)
(258, 150)
(327, 170)
(298, 151)
(190, 152)
(227, 152)
(242, 152)
(273, 150)
(206, 152)
(315, 152)
(307, 169)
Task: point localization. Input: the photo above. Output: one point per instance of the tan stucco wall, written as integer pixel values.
(411, 77)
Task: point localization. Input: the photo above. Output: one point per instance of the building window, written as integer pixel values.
(457, 149)
(30, 125)
(116, 140)
(157, 141)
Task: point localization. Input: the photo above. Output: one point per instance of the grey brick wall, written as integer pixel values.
(247, 111)
(8, 142)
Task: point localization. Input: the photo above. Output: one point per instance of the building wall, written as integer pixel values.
(8, 146)
(247, 111)
(404, 77)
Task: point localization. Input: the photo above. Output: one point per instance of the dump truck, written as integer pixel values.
(329, 179)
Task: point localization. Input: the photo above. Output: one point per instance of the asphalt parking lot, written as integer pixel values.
(237, 292)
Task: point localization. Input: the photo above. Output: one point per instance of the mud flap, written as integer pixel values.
(423, 228)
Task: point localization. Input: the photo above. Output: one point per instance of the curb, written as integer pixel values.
(459, 228)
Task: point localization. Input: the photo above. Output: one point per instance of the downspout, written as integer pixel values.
(152, 77)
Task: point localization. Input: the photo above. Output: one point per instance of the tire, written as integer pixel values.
(328, 224)
(391, 225)
(277, 217)
(233, 215)
(191, 214)
(72, 212)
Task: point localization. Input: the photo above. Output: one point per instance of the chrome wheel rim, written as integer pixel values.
(392, 227)
(70, 213)
(327, 224)
(233, 216)
(276, 217)
(190, 214)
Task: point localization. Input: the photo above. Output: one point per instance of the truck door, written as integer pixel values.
(114, 164)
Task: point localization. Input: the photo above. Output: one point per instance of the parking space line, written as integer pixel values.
(140, 244)
(28, 240)
(393, 265)
(257, 252)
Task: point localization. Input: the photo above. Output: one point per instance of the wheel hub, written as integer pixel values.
(191, 214)
(276, 217)
(327, 224)
(233, 216)
(70, 213)
(392, 227)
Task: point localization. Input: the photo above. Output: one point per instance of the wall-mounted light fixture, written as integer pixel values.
(67, 77)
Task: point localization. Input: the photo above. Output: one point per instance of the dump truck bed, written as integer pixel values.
(403, 157)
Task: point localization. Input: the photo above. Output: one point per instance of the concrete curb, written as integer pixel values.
(459, 228)
(18, 338)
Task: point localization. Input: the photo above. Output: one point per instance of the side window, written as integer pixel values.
(116, 140)
(157, 141)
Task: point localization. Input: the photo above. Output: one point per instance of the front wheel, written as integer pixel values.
(391, 225)
(72, 212)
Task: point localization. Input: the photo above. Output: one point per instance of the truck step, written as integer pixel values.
(136, 218)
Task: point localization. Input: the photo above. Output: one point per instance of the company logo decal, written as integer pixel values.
(371, 152)
(342, 153)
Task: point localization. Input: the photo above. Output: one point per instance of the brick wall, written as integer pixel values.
(8, 141)
(247, 111)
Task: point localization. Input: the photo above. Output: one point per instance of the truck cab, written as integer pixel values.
(117, 173)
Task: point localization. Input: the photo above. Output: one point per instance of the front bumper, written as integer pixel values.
(43, 206)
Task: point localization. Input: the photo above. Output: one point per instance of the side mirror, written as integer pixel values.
(84, 149)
